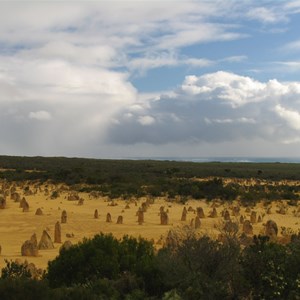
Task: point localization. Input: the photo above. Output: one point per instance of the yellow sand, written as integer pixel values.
(17, 226)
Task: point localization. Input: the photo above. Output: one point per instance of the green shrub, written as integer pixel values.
(129, 263)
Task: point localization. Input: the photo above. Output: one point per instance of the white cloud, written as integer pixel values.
(235, 59)
(293, 6)
(60, 76)
(146, 120)
(233, 89)
(110, 35)
(288, 66)
(82, 100)
(224, 121)
(265, 15)
(216, 108)
(157, 60)
(41, 115)
(197, 62)
(292, 117)
(292, 46)
(70, 63)
(99, 55)
(189, 35)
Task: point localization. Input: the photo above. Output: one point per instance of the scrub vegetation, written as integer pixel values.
(137, 178)
(188, 267)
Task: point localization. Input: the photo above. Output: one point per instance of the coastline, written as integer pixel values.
(220, 159)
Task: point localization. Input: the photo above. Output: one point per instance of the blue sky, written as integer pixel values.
(112, 79)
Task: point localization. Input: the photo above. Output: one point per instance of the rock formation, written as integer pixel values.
(73, 197)
(108, 218)
(25, 206)
(57, 233)
(29, 247)
(112, 203)
(33, 239)
(213, 213)
(226, 215)
(271, 229)
(15, 196)
(164, 219)
(200, 212)
(247, 227)
(96, 214)
(45, 242)
(22, 202)
(144, 206)
(253, 217)
(70, 235)
(197, 222)
(80, 201)
(2, 202)
(236, 211)
(140, 215)
(64, 217)
(184, 213)
(66, 245)
(242, 219)
(39, 212)
(120, 220)
(192, 223)
(190, 209)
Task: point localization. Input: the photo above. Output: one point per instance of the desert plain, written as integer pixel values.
(17, 226)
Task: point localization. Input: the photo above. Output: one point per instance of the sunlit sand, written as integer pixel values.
(17, 226)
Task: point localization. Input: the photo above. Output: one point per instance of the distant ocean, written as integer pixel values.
(224, 159)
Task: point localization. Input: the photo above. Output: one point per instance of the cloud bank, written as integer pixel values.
(215, 108)
(67, 71)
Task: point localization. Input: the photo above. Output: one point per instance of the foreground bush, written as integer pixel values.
(201, 268)
(129, 263)
(24, 289)
(187, 267)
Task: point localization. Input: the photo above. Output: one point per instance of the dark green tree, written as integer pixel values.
(129, 263)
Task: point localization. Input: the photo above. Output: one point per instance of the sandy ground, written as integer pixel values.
(17, 226)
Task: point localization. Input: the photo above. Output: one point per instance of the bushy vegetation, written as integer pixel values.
(129, 264)
(130, 178)
(187, 267)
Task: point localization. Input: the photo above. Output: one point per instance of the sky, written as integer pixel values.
(116, 79)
